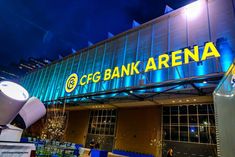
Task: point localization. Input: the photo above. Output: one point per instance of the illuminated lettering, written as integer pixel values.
(89, 77)
(81, 80)
(116, 73)
(134, 69)
(176, 58)
(212, 53)
(126, 70)
(193, 55)
(163, 60)
(96, 77)
(107, 74)
(151, 65)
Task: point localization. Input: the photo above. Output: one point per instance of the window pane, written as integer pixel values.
(202, 109)
(166, 110)
(213, 135)
(93, 131)
(183, 120)
(192, 109)
(113, 119)
(183, 109)
(109, 113)
(96, 113)
(204, 135)
(114, 112)
(166, 133)
(193, 134)
(103, 123)
(203, 120)
(193, 120)
(212, 120)
(174, 110)
(174, 120)
(174, 133)
(111, 129)
(99, 119)
(166, 120)
(183, 133)
(211, 109)
(104, 112)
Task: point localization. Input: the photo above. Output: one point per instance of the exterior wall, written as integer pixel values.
(136, 128)
(165, 34)
(77, 126)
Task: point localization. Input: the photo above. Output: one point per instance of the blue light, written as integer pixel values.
(226, 52)
(192, 130)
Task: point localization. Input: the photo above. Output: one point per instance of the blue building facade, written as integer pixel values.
(163, 35)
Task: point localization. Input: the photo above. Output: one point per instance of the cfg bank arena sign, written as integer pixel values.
(176, 58)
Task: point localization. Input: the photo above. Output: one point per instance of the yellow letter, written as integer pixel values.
(176, 60)
(213, 53)
(96, 77)
(81, 82)
(151, 65)
(126, 70)
(107, 74)
(115, 73)
(89, 77)
(194, 55)
(163, 60)
(134, 68)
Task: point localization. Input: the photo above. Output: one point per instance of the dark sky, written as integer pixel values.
(47, 28)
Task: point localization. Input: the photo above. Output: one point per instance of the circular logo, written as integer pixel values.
(233, 81)
(71, 83)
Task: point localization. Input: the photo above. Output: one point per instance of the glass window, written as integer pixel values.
(111, 130)
(193, 134)
(202, 109)
(189, 123)
(166, 119)
(104, 112)
(102, 122)
(174, 120)
(204, 134)
(174, 110)
(114, 113)
(213, 135)
(96, 113)
(193, 120)
(203, 120)
(109, 112)
(192, 109)
(166, 133)
(211, 109)
(211, 120)
(166, 110)
(183, 133)
(183, 120)
(183, 109)
(174, 133)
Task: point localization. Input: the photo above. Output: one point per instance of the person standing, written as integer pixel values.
(92, 146)
(170, 153)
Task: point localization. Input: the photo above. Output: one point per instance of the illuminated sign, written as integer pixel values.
(176, 58)
(71, 83)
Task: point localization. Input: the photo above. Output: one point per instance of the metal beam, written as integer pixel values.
(136, 96)
(193, 80)
(158, 93)
(199, 90)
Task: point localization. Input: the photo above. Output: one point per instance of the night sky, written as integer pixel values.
(47, 28)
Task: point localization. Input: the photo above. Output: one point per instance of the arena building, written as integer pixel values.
(147, 89)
